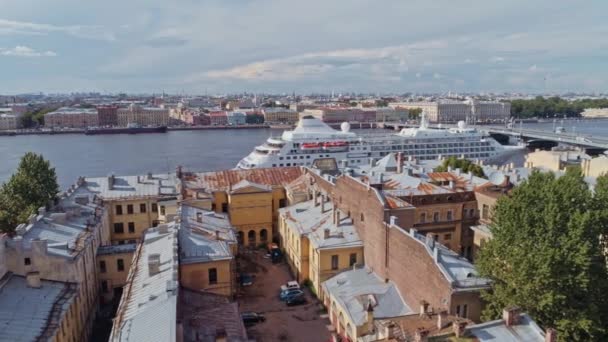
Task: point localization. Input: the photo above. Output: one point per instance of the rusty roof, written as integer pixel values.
(223, 180)
(396, 202)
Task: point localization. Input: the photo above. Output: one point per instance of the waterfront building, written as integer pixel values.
(340, 114)
(71, 117)
(362, 306)
(108, 115)
(218, 118)
(452, 111)
(236, 118)
(250, 198)
(9, 122)
(61, 246)
(595, 113)
(195, 118)
(280, 115)
(144, 116)
(388, 114)
(208, 246)
(318, 241)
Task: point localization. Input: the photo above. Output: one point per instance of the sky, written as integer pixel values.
(227, 46)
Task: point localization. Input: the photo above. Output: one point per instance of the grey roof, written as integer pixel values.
(207, 240)
(116, 249)
(73, 110)
(148, 306)
(526, 330)
(356, 289)
(308, 220)
(133, 186)
(26, 312)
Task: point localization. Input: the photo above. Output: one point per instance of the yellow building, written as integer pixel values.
(132, 202)
(318, 241)
(113, 262)
(208, 245)
(249, 197)
(280, 115)
(34, 309)
(362, 306)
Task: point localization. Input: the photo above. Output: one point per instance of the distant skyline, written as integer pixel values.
(278, 46)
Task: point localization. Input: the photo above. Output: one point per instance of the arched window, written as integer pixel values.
(422, 217)
(263, 235)
(251, 238)
(362, 217)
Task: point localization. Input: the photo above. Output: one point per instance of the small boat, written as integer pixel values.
(310, 146)
(335, 146)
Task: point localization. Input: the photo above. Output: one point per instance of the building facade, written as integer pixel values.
(280, 115)
(108, 115)
(71, 118)
(144, 116)
(9, 122)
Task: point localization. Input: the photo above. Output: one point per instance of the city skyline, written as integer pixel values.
(273, 46)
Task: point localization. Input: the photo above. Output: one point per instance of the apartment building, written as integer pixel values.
(113, 262)
(208, 246)
(144, 116)
(107, 115)
(451, 111)
(218, 118)
(249, 197)
(60, 247)
(236, 118)
(340, 114)
(9, 121)
(318, 241)
(280, 115)
(71, 118)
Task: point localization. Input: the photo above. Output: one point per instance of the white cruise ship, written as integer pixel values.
(313, 139)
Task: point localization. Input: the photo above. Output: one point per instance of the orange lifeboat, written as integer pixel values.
(310, 146)
(335, 146)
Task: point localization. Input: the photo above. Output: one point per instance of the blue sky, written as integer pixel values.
(283, 45)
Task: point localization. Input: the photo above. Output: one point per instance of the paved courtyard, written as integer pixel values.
(283, 323)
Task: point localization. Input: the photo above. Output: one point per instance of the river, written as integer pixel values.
(75, 155)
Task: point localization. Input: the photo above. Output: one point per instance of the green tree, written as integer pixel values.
(414, 113)
(463, 164)
(546, 257)
(33, 185)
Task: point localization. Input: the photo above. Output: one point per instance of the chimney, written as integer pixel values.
(510, 315)
(430, 241)
(458, 327)
(421, 335)
(199, 217)
(41, 211)
(370, 315)
(372, 162)
(153, 264)
(399, 162)
(449, 168)
(442, 319)
(326, 233)
(323, 204)
(111, 182)
(217, 235)
(33, 280)
(452, 185)
(550, 335)
(393, 220)
(337, 223)
(424, 308)
(314, 197)
(333, 213)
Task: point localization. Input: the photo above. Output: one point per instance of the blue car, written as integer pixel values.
(290, 293)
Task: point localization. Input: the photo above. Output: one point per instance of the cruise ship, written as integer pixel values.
(313, 139)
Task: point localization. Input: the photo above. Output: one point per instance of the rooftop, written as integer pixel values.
(525, 330)
(73, 110)
(355, 290)
(116, 249)
(32, 314)
(204, 235)
(116, 187)
(309, 220)
(223, 180)
(148, 307)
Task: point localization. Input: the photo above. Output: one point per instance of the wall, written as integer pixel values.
(195, 276)
(141, 220)
(114, 277)
(320, 265)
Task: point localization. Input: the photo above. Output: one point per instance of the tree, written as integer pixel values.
(32, 186)
(414, 113)
(546, 256)
(463, 164)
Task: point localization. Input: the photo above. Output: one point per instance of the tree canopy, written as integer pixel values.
(463, 164)
(546, 256)
(553, 107)
(32, 186)
(414, 113)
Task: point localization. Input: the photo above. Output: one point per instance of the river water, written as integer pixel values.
(76, 155)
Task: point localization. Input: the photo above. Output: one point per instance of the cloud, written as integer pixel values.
(24, 51)
(497, 59)
(533, 68)
(11, 27)
(436, 76)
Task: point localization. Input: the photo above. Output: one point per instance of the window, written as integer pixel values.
(212, 276)
(447, 237)
(102, 266)
(450, 216)
(224, 207)
(119, 228)
(120, 265)
(362, 217)
(104, 286)
(422, 217)
(142, 207)
(119, 209)
(282, 203)
(129, 208)
(162, 210)
(485, 212)
(334, 262)
(27, 261)
(131, 227)
(436, 216)
(155, 223)
(464, 311)
(353, 259)
(154, 207)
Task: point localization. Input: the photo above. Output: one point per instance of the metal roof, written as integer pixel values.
(133, 186)
(31, 314)
(526, 330)
(223, 180)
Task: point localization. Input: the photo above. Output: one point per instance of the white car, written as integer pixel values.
(290, 285)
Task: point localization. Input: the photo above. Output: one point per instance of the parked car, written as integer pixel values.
(296, 300)
(290, 285)
(250, 318)
(246, 279)
(290, 293)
